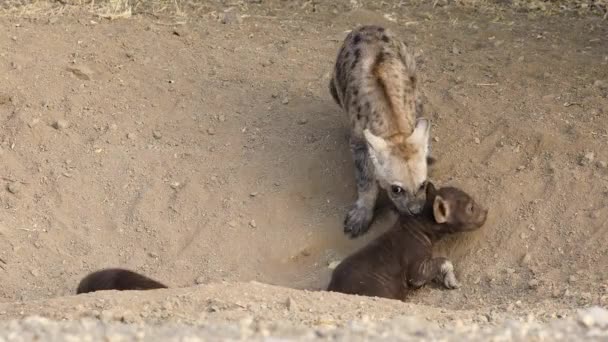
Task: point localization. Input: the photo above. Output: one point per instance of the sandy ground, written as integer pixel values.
(206, 148)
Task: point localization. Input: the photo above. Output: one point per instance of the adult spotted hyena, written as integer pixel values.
(374, 81)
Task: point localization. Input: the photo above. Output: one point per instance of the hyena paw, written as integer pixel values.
(449, 278)
(357, 221)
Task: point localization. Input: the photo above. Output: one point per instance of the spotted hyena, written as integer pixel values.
(374, 82)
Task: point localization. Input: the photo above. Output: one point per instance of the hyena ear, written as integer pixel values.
(378, 146)
(421, 134)
(441, 210)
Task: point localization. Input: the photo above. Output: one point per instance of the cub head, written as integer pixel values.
(401, 164)
(454, 209)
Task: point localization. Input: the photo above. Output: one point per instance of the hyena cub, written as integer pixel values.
(402, 259)
(374, 82)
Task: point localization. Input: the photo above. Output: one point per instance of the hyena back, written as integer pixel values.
(374, 82)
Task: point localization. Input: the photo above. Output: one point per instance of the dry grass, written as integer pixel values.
(115, 9)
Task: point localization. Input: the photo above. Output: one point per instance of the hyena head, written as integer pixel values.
(400, 165)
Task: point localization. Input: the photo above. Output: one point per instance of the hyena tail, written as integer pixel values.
(395, 75)
(117, 279)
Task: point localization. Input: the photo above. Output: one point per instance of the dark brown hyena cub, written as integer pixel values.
(117, 279)
(402, 258)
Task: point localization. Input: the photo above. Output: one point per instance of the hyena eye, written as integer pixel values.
(397, 190)
(422, 186)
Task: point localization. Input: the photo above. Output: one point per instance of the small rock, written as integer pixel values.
(175, 185)
(602, 164)
(436, 139)
(572, 279)
(34, 272)
(82, 71)
(34, 122)
(253, 194)
(593, 316)
(221, 118)
(285, 101)
(510, 270)
(521, 168)
(302, 121)
(291, 304)
(477, 141)
(200, 280)
(232, 224)
(594, 214)
(455, 50)
(525, 260)
(229, 17)
(157, 135)
(131, 136)
(601, 84)
(211, 131)
(332, 265)
(252, 224)
(587, 159)
(533, 284)
(14, 188)
(60, 124)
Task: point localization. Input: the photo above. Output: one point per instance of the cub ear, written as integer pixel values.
(421, 134)
(441, 210)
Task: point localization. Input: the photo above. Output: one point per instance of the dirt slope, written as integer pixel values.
(207, 148)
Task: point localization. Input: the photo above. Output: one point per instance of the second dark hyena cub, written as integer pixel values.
(402, 258)
(374, 82)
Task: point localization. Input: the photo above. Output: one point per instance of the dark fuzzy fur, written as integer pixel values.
(117, 279)
(401, 259)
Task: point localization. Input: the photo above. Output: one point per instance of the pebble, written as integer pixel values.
(436, 139)
(587, 159)
(291, 304)
(253, 194)
(83, 72)
(601, 84)
(14, 188)
(533, 284)
(302, 121)
(34, 122)
(60, 124)
(211, 131)
(232, 223)
(131, 136)
(602, 164)
(525, 260)
(285, 101)
(477, 141)
(572, 279)
(594, 316)
(200, 280)
(252, 224)
(175, 185)
(521, 167)
(157, 135)
(510, 270)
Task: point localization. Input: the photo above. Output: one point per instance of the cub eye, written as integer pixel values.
(396, 189)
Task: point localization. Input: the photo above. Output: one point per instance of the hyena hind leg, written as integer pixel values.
(360, 215)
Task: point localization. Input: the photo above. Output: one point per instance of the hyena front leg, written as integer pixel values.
(361, 213)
